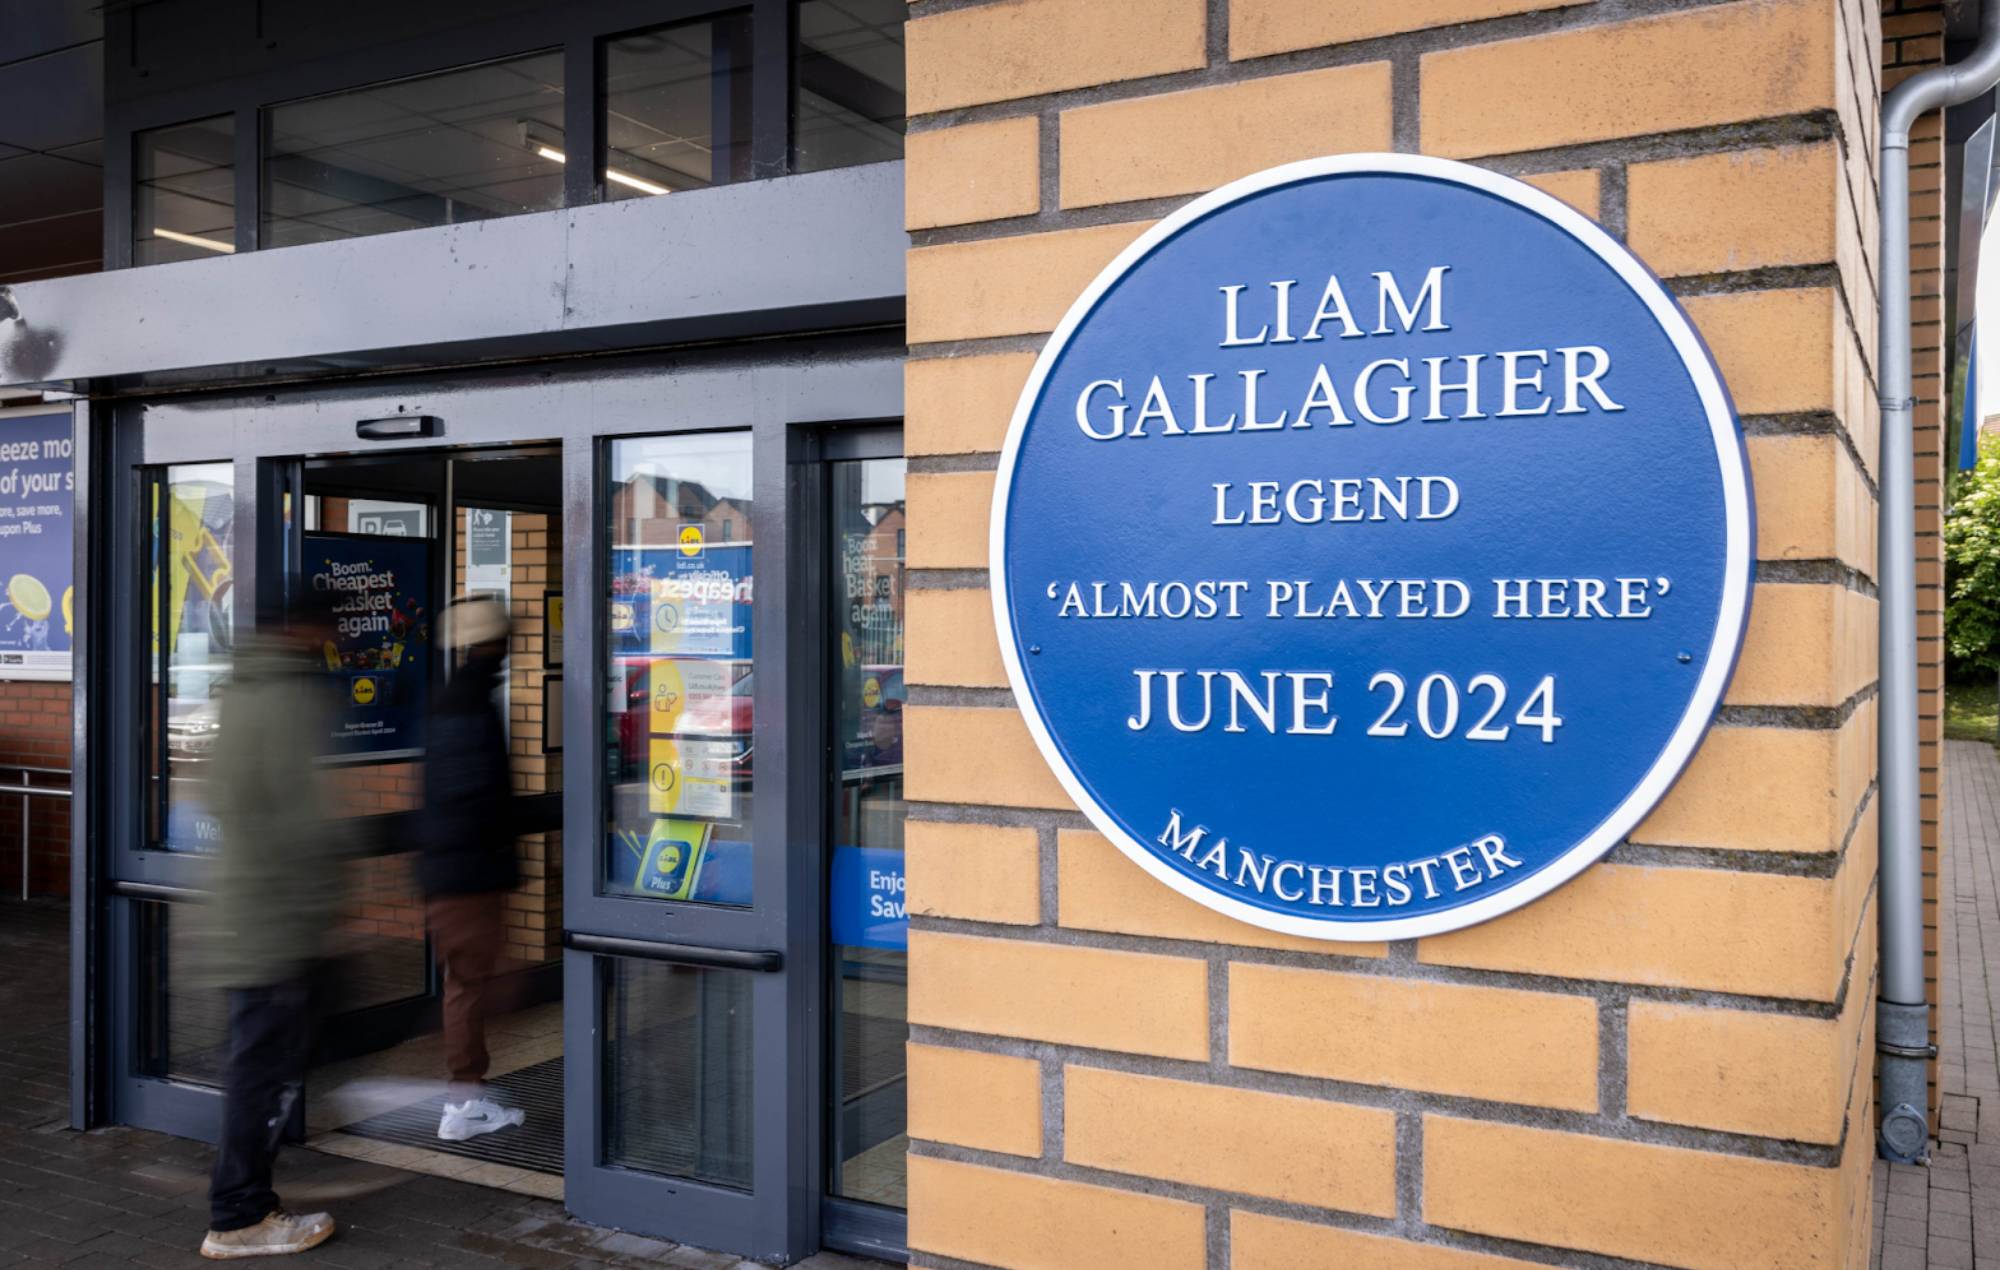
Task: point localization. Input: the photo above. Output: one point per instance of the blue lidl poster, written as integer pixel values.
(1437, 564)
(866, 898)
(380, 653)
(37, 593)
(689, 599)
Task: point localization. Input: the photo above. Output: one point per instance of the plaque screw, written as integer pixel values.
(1036, 649)
(1683, 658)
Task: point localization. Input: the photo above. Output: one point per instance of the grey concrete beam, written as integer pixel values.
(765, 257)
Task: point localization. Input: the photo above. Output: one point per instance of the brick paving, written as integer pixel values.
(1948, 1215)
(125, 1197)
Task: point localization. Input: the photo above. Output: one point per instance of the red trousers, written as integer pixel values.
(467, 931)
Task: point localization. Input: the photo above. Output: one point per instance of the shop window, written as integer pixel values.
(677, 108)
(184, 191)
(678, 634)
(848, 102)
(677, 1060)
(469, 144)
(191, 598)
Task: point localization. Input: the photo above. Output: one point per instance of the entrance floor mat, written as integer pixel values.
(536, 1145)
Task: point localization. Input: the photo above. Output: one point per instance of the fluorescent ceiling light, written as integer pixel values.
(610, 174)
(195, 240)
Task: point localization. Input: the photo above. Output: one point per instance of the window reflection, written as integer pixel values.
(677, 1067)
(191, 593)
(678, 625)
(437, 150)
(867, 916)
(849, 103)
(677, 108)
(184, 191)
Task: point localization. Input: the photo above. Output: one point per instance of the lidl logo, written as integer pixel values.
(622, 617)
(669, 858)
(364, 691)
(871, 692)
(690, 540)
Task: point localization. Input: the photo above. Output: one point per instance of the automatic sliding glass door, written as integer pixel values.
(867, 928)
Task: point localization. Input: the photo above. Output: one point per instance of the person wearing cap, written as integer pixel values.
(466, 862)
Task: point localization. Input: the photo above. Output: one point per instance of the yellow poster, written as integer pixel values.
(690, 696)
(689, 778)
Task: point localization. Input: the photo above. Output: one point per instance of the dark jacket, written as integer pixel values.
(467, 828)
(277, 878)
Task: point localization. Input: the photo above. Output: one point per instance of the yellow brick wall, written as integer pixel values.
(1665, 1060)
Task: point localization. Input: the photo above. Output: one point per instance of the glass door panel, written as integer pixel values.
(191, 595)
(866, 916)
(678, 659)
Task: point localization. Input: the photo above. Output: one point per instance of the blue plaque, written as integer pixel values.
(1371, 547)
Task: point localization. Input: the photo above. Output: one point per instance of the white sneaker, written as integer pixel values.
(475, 1116)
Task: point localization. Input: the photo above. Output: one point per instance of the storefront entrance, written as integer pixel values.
(704, 562)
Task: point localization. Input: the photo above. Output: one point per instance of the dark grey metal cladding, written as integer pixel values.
(789, 254)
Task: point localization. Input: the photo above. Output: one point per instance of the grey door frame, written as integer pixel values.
(781, 394)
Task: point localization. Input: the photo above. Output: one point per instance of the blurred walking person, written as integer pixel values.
(277, 896)
(466, 864)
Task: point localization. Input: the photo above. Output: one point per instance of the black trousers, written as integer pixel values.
(270, 1039)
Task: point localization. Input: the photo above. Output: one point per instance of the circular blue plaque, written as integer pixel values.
(1371, 547)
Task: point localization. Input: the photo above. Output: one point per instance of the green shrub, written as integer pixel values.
(1972, 568)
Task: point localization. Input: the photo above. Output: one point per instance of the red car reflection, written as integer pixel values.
(731, 721)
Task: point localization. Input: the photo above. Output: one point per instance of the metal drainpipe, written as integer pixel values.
(1902, 1029)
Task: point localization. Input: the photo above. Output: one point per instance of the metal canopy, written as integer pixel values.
(765, 257)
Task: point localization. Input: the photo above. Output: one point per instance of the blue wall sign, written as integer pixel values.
(37, 495)
(1371, 547)
(866, 899)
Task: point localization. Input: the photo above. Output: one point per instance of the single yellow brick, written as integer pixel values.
(1259, 28)
(1495, 1043)
(948, 519)
(1717, 65)
(1258, 1242)
(1197, 139)
(1758, 934)
(1775, 348)
(1022, 48)
(1811, 501)
(950, 640)
(961, 405)
(964, 754)
(992, 1102)
(981, 873)
(979, 171)
(1139, 1003)
(1579, 188)
(998, 1217)
(1747, 209)
(1742, 1071)
(1765, 789)
(1701, 1210)
(1806, 646)
(1099, 889)
(1304, 1150)
(1007, 286)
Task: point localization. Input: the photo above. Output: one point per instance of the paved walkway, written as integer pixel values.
(1948, 1215)
(124, 1197)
